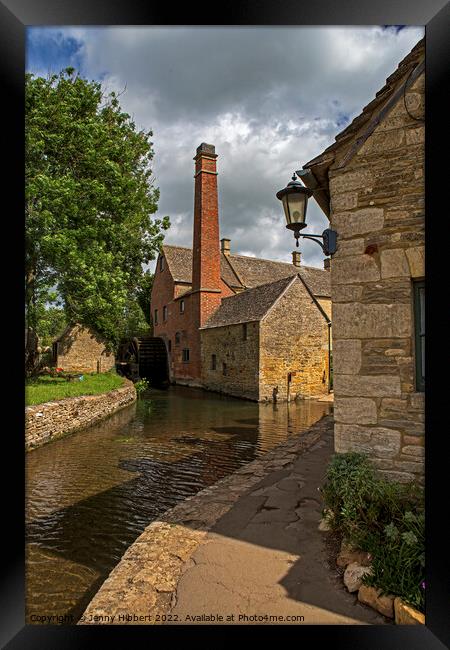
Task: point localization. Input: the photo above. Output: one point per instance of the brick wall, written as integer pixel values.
(377, 208)
(294, 339)
(46, 422)
(164, 293)
(240, 356)
(81, 350)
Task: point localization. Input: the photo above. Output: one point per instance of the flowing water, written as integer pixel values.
(91, 494)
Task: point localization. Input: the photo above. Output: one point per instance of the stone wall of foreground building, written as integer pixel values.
(46, 422)
(377, 208)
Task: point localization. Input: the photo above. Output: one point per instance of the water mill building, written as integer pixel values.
(240, 325)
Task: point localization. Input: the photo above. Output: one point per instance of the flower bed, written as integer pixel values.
(384, 519)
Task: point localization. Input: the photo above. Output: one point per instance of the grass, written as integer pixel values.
(48, 389)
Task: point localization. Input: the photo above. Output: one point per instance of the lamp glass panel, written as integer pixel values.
(295, 207)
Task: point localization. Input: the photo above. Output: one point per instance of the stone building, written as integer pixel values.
(196, 289)
(270, 342)
(371, 187)
(80, 349)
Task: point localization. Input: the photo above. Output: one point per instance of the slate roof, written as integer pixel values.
(242, 272)
(250, 305)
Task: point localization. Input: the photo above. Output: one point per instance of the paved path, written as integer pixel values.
(266, 557)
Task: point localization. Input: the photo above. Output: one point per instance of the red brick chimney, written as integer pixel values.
(206, 250)
(206, 292)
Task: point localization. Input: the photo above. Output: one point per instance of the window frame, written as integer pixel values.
(182, 306)
(161, 263)
(419, 333)
(165, 313)
(213, 362)
(185, 355)
(155, 317)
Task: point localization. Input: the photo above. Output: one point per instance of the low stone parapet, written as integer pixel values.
(51, 420)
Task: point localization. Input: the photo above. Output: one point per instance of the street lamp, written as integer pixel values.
(295, 201)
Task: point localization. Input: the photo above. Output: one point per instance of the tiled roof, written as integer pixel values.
(240, 271)
(179, 260)
(254, 271)
(250, 305)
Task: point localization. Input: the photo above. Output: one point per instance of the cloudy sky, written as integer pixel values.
(268, 98)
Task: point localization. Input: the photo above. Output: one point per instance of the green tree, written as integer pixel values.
(90, 197)
(143, 295)
(51, 323)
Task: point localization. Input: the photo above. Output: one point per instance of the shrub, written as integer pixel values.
(142, 385)
(382, 517)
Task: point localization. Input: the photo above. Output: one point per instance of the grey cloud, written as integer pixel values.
(269, 99)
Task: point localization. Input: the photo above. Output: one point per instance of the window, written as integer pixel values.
(419, 328)
(185, 355)
(181, 306)
(244, 331)
(156, 317)
(161, 263)
(224, 368)
(169, 345)
(177, 338)
(165, 312)
(213, 362)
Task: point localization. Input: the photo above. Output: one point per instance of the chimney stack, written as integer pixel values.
(206, 251)
(296, 258)
(326, 264)
(225, 246)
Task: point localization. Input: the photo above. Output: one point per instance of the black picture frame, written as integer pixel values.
(15, 15)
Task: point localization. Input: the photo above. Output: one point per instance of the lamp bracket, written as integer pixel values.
(329, 237)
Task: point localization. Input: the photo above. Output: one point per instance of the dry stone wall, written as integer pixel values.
(46, 422)
(377, 208)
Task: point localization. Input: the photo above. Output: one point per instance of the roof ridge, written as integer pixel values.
(261, 286)
(264, 259)
(188, 248)
(248, 257)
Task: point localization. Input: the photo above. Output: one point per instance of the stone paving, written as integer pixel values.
(247, 546)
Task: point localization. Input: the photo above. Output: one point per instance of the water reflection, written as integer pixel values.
(91, 494)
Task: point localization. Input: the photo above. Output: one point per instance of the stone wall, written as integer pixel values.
(294, 340)
(46, 422)
(240, 356)
(81, 350)
(377, 208)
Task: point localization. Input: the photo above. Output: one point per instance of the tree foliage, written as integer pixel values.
(143, 295)
(90, 197)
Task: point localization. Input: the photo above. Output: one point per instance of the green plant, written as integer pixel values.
(142, 385)
(399, 559)
(382, 517)
(90, 201)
